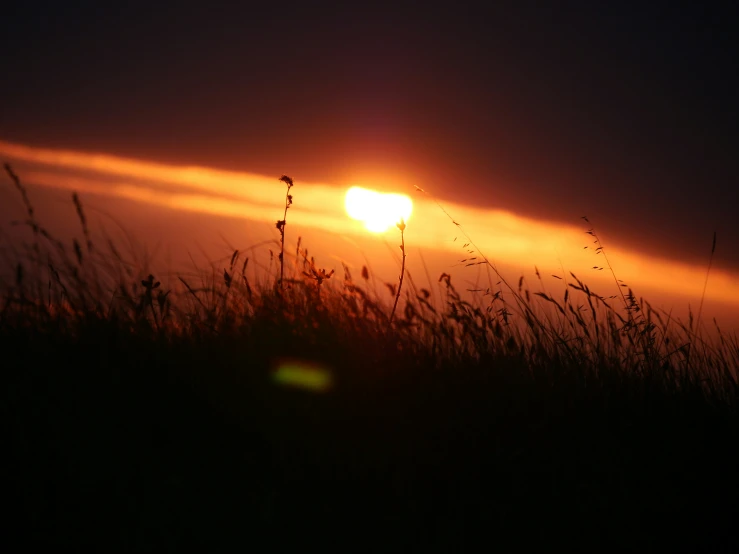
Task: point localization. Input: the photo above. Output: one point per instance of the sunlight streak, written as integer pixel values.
(516, 243)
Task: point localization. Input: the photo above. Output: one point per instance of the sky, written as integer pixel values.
(623, 113)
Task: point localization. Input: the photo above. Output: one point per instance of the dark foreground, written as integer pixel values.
(115, 442)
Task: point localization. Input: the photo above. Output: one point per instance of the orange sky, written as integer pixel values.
(515, 244)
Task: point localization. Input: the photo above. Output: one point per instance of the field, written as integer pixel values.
(292, 407)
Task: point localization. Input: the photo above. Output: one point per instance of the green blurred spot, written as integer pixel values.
(302, 375)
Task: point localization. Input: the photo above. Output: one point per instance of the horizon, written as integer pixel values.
(517, 245)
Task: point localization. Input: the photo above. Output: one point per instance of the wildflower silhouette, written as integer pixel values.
(281, 225)
(400, 225)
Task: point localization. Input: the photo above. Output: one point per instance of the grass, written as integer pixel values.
(279, 408)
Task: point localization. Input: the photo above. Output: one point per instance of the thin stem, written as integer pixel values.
(281, 227)
(400, 226)
(602, 250)
(282, 239)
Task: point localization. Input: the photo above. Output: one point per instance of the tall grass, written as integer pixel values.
(444, 417)
(577, 328)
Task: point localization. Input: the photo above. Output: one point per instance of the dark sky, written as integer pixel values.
(627, 114)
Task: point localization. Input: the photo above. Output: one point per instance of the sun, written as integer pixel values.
(378, 210)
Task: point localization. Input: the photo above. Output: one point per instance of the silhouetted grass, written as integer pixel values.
(145, 417)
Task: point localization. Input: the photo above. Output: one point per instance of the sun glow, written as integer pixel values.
(512, 241)
(377, 210)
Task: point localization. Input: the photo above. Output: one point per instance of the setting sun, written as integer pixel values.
(379, 211)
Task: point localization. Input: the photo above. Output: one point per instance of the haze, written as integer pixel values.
(220, 208)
